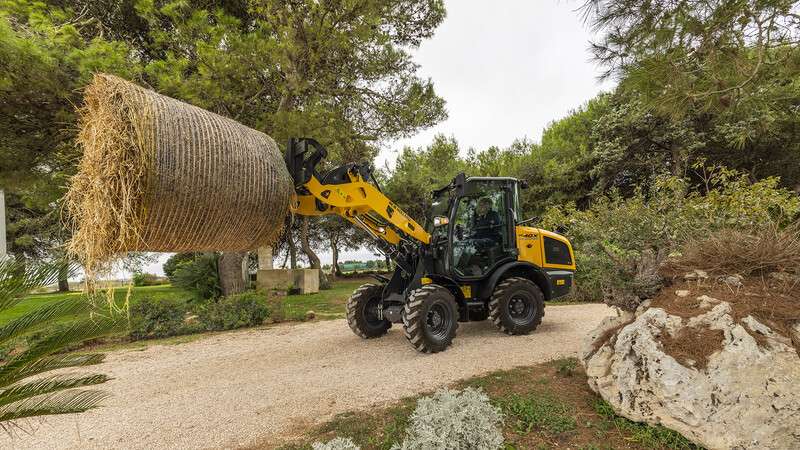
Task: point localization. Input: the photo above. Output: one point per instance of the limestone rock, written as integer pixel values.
(745, 397)
(707, 302)
(682, 293)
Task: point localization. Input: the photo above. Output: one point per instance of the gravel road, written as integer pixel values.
(260, 386)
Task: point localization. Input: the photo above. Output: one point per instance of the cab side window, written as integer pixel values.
(556, 252)
(480, 237)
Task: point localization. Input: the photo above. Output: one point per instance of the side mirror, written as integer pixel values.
(440, 220)
(523, 184)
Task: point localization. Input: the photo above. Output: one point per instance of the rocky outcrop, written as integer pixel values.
(744, 394)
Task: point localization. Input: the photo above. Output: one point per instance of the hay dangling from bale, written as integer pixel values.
(158, 174)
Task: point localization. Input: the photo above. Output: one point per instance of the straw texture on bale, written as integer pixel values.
(158, 174)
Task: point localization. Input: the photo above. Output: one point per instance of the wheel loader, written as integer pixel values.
(474, 259)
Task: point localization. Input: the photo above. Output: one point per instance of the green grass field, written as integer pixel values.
(327, 304)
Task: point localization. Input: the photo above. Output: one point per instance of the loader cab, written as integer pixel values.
(472, 222)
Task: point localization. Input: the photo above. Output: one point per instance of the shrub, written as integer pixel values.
(147, 279)
(199, 275)
(235, 311)
(158, 318)
(620, 243)
(336, 444)
(171, 264)
(454, 420)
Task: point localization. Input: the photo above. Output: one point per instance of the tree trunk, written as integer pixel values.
(63, 278)
(230, 273)
(313, 259)
(335, 272)
(292, 251)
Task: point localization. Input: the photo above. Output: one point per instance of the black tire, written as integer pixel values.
(430, 318)
(362, 312)
(517, 306)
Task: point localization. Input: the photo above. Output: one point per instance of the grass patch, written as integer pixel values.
(327, 304)
(548, 405)
(537, 412)
(647, 435)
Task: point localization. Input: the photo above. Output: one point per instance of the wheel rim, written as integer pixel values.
(372, 313)
(438, 321)
(521, 309)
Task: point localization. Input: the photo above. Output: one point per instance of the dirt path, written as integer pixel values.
(259, 386)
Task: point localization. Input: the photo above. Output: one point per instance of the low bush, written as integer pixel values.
(147, 279)
(158, 318)
(199, 275)
(454, 420)
(235, 311)
(621, 243)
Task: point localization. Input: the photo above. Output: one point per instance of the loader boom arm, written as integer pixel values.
(347, 191)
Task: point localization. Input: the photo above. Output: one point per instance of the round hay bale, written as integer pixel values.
(158, 174)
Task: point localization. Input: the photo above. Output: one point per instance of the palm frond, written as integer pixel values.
(65, 402)
(74, 332)
(43, 316)
(47, 364)
(17, 279)
(48, 385)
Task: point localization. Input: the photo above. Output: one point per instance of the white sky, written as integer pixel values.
(506, 69)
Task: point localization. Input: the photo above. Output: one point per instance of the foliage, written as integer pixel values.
(537, 412)
(158, 318)
(171, 264)
(199, 275)
(336, 444)
(234, 311)
(81, 320)
(146, 279)
(454, 420)
(694, 54)
(620, 243)
(647, 435)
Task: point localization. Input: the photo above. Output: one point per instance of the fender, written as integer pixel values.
(518, 269)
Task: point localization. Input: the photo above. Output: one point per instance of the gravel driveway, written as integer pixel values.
(260, 386)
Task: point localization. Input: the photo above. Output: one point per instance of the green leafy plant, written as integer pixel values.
(621, 242)
(158, 318)
(199, 275)
(235, 311)
(25, 388)
(647, 435)
(538, 412)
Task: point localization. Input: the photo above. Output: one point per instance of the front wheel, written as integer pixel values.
(517, 306)
(430, 318)
(364, 312)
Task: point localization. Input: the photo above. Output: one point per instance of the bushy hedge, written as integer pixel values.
(158, 318)
(621, 243)
(235, 311)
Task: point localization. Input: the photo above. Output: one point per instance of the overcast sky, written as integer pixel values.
(506, 70)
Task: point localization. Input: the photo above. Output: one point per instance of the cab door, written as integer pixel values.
(482, 229)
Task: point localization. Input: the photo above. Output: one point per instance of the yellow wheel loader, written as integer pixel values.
(474, 259)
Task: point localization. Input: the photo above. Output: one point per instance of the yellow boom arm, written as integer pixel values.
(361, 203)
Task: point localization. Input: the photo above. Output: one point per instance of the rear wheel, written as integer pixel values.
(430, 318)
(363, 312)
(517, 306)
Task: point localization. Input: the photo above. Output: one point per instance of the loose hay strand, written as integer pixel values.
(161, 175)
